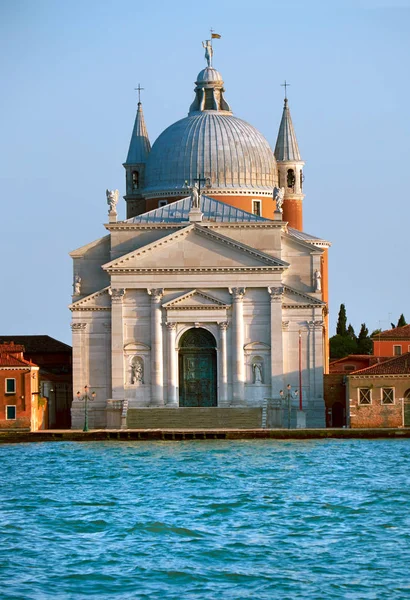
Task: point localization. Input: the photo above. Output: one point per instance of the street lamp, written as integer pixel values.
(289, 396)
(87, 398)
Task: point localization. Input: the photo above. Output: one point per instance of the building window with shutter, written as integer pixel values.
(10, 413)
(387, 395)
(256, 207)
(10, 386)
(397, 350)
(365, 396)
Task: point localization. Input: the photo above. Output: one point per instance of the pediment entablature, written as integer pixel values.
(195, 248)
(195, 300)
(293, 298)
(97, 301)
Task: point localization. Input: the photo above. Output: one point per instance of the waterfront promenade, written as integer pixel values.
(76, 435)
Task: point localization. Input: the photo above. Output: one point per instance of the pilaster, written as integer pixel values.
(276, 342)
(172, 399)
(157, 368)
(117, 343)
(223, 365)
(238, 355)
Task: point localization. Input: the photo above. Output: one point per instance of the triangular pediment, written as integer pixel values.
(98, 301)
(293, 298)
(194, 248)
(195, 299)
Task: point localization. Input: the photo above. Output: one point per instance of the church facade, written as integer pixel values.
(209, 299)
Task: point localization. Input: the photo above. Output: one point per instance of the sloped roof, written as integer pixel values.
(8, 360)
(37, 343)
(398, 333)
(399, 365)
(139, 145)
(213, 210)
(286, 144)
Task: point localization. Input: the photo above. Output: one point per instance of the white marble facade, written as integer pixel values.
(250, 284)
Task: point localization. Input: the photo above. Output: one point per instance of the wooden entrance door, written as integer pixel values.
(197, 369)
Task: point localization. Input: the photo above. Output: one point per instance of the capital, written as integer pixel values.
(237, 292)
(156, 294)
(117, 294)
(223, 326)
(171, 326)
(276, 293)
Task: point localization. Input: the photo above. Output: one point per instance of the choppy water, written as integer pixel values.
(226, 520)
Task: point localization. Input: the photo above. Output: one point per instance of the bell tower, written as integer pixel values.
(134, 166)
(290, 169)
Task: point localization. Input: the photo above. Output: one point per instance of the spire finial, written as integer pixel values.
(285, 85)
(139, 89)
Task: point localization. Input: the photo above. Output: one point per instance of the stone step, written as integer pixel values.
(194, 418)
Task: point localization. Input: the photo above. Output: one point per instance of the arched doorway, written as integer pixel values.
(197, 368)
(338, 418)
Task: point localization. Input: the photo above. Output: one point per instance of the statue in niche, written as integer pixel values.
(137, 371)
(77, 285)
(257, 372)
(317, 280)
(278, 196)
(208, 51)
(112, 199)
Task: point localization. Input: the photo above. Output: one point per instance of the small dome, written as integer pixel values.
(230, 152)
(209, 75)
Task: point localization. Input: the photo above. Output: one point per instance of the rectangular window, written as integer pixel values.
(10, 386)
(387, 395)
(256, 207)
(397, 350)
(10, 413)
(365, 396)
(162, 203)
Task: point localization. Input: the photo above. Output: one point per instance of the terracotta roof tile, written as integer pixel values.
(37, 343)
(398, 333)
(399, 365)
(7, 360)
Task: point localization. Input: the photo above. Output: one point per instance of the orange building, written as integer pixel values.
(393, 342)
(20, 404)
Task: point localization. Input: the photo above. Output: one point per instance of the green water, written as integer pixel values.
(204, 520)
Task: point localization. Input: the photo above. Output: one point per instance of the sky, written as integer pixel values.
(68, 72)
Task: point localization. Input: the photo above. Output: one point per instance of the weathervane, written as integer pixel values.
(139, 89)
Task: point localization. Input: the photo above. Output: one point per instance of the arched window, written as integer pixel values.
(301, 179)
(291, 178)
(135, 180)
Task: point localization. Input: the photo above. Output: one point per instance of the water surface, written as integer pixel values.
(205, 520)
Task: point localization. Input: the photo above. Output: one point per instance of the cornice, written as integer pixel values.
(269, 269)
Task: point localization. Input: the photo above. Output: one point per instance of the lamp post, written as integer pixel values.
(289, 396)
(87, 398)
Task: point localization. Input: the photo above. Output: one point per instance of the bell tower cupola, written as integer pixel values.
(138, 152)
(290, 170)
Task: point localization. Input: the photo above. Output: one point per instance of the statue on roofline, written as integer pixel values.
(112, 199)
(278, 196)
(208, 51)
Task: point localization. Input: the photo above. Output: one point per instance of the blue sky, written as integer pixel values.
(68, 73)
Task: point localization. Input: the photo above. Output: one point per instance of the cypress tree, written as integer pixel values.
(341, 321)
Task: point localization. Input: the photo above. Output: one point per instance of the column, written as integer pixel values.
(172, 399)
(157, 374)
(276, 343)
(223, 366)
(117, 343)
(238, 357)
(80, 375)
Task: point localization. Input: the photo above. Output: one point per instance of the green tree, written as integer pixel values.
(350, 332)
(402, 321)
(364, 343)
(342, 345)
(341, 321)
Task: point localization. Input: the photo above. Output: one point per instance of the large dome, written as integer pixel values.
(228, 152)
